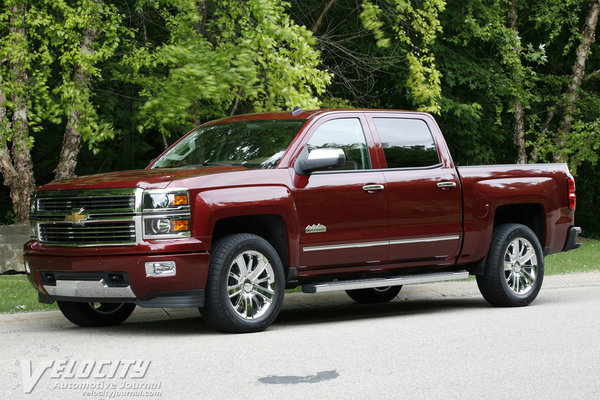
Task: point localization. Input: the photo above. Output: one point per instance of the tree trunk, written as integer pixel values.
(72, 137)
(6, 166)
(572, 94)
(15, 163)
(519, 111)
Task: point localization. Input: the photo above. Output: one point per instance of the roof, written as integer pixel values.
(301, 114)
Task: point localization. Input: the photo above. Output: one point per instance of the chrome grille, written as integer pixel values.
(88, 203)
(91, 233)
(88, 217)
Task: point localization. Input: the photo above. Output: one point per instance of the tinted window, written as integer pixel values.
(252, 144)
(406, 142)
(345, 134)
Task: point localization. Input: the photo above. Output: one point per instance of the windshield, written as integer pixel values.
(252, 144)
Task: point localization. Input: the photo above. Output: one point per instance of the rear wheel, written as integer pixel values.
(374, 295)
(245, 284)
(514, 268)
(95, 314)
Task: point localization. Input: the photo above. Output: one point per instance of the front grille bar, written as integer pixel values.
(93, 217)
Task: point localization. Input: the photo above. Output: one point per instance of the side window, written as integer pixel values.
(345, 134)
(407, 143)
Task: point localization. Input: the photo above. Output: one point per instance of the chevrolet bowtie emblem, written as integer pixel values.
(77, 217)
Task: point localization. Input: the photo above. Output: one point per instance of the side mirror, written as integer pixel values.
(319, 159)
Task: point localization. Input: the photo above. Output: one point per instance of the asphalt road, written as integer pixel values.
(438, 341)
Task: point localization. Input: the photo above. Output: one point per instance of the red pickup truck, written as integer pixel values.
(241, 208)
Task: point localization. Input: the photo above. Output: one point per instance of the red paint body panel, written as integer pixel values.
(366, 233)
(487, 188)
(350, 214)
(143, 178)
(192, 270)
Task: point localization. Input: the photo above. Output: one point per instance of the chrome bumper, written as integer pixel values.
(88, 289)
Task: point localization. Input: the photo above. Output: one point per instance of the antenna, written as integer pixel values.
(296, 110)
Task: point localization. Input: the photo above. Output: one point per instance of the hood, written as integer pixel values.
(158, 178)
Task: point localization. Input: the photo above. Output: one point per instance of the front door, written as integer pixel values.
(342, 212)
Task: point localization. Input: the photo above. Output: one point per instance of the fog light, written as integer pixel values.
(161, 225)
(160, 268)
(27, 268)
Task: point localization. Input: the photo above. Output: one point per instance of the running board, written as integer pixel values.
(383, 282)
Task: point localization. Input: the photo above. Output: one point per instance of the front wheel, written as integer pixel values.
(245, 284)
(95, 314)
(374, 295)
(514, 268)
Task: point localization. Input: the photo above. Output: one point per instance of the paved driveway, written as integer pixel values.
(436, 341)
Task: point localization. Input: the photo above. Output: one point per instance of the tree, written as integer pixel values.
(84, 34)
(19, 83)
(571, 95)
(369, 43)
(223, 58)
(519, 110)
(208, 59)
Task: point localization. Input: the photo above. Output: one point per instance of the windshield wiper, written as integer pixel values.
(216, 164)
(206, 164)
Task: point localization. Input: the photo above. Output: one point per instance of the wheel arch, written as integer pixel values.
(532, 215)
(270, 227)
(267, 211)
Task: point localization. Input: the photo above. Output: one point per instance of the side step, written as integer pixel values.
(383, 282)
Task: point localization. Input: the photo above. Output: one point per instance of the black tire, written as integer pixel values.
(95, 314)
(374, 295)
(256, 285)
(519, 283)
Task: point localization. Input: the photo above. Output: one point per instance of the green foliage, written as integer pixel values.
(234, 57)
(371, 20)
(417, 28)
(85, 34)
(163, 66)
(35, 59)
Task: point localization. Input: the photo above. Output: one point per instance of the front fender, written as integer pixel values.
(210, 206)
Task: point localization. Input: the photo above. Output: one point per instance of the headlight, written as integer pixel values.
(155, 200)
(166, 213)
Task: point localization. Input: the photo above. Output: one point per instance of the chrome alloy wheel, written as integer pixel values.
(106, 308)
(382, 289)
(520, 266)
(250, 285)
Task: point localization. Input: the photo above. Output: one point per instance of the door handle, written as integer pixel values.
(446, 185)
(373, 188)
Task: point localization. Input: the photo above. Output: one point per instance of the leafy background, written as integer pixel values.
(127, 78)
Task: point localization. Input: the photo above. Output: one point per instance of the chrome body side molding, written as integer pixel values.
(379, 243)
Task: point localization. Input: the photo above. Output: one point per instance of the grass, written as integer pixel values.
(17, 294)
(586, 258)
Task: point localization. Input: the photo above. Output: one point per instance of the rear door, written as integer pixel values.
(342, 212)
(422, 189)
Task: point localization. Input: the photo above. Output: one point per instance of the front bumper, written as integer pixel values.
(120, 279)
(571, 243)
